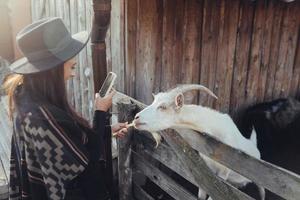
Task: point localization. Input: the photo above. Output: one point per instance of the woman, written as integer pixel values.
(55, 153)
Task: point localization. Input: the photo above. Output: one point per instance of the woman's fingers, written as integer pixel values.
(123, 125)
(118, 126)
(104, 103)
(121, 133)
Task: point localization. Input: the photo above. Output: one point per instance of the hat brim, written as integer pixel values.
(24, 66)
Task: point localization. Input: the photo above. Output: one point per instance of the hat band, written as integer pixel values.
(46, 53)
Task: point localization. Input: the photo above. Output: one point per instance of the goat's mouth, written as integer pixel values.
(138, 125)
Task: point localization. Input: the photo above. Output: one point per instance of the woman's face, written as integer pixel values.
(69, 69)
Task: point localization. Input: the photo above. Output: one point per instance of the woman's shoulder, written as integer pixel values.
(43, 112)
(49, 117)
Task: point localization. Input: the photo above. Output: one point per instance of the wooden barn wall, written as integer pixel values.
(245, 51)
(77, 15)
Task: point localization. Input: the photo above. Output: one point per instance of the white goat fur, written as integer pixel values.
(165, 113)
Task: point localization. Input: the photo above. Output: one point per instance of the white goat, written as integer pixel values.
(169, 111)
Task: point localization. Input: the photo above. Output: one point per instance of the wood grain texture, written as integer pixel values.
(117, 42)
(190, 71)
(209, 48)
(295, 85)
(126, 114)
(261, 172)
(162, 180)
(76, 80)
(140, 194)
(148, 45)
(225, 55)
(287, 50)
(255, 55)
(130, 45)
(169, 70)
(266, 41)
(242, 52)
(232, 47)
(276, 33)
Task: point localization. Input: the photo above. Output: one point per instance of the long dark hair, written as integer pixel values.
(45, 87)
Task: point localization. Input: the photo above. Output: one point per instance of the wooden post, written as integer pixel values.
(101, 21)
(126, 113)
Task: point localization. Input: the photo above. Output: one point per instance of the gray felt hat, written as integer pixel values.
(46, 44)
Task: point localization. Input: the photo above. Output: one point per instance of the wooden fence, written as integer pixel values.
(138, 156)
(5, 134)
(245, 51)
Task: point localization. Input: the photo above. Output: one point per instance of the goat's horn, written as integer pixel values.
(188, 87)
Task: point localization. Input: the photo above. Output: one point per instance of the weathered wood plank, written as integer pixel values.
(3, 182)
(168, 71)
(162, 180)
(118, 41)
(59, 8)
(52, 8)
(34, 13)
(76, 79)
(265, 50)
(209, 48)
(139, 193)
(265, 174)
(130, 45)
(178, 40)
(124, 153)
(290, 28)
(67, 21)
(295, 86)
(213, 185)
(255, 55)
(47, 9)
(243, 42)
(6, 131)
(276, 33)
(228, 21)
(164, 154)
(89, 68)
(83, 88)
(259, 171)
(189, 72)
(282, 53)
(158, 39)
(147, 44)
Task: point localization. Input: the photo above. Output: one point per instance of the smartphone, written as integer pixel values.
(107, 84)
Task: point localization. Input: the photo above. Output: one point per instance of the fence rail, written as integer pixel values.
(278, 180)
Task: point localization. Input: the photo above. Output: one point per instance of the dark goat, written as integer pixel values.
(277, 124)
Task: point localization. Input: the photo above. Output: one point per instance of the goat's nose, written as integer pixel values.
(136, 117)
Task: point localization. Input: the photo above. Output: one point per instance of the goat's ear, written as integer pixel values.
(179, 99)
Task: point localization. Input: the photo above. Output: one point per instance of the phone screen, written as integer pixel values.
(108, 83)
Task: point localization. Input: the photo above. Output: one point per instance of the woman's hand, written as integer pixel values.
(119, 129)
(104, 103)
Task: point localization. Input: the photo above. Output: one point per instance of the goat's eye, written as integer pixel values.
(162, 107)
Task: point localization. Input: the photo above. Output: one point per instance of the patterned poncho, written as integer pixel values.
(54, 158)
